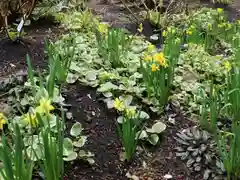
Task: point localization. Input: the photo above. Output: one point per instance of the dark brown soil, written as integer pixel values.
(99, 125)
(13, 55)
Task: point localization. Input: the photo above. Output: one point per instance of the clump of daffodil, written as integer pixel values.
(45, 106)
(140, 28)
(2, 120)
(219, 10)
(160, 59)
(103, 28)
(154, 67)
(118, 105)
(227, 66)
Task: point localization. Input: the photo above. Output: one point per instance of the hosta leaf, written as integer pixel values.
(76, 129)
(90, 160)
(158, 127)
(127, 100)
(143, 135)
(72, 156)
(91, 76)
(72, 78)
(67, 146)
(108, 86)
(107, 94)
(144, 115)
(153, 139)
(120, 119)
(80, 143)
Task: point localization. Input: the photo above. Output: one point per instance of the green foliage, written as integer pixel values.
(229, 148)
(113, 45)
(16, 162)
(52, 149)
(158, 68)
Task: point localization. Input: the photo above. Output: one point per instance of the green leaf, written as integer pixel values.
(81, 141)
(91, 76)
(67, 146)
(72, 78)
(127, 99)
(157, 128)
(153, 139)
(108, 86)
(72, 156)
(90, 160)
(143, 135)
(144, 115)
(76, 129)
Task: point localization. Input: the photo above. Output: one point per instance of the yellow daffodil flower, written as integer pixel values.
(147, 58)
(219, 10)
(151, 48)
(118, 105)
(209, 26)
(160, 59)
(103, 28)
(164, 33)
(154, 67)
(45, 106)
(140, 28)
(227, 66)
(189, 32)
(130, 112)
(2, 120)
(30, 118)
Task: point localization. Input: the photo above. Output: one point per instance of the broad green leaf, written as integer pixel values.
(72, 78)
(76, 129)
(108, 86)
(120, 119)
(81, 141)
(158, 127)
(91, 76)
(127, 99)
(144, 115)
(72, 156)
(153, 139)
(143, 135)
(90, 160)
(67, 146)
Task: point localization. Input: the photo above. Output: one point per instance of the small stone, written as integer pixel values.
(168, 176)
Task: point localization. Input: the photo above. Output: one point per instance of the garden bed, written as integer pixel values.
(92, 86)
